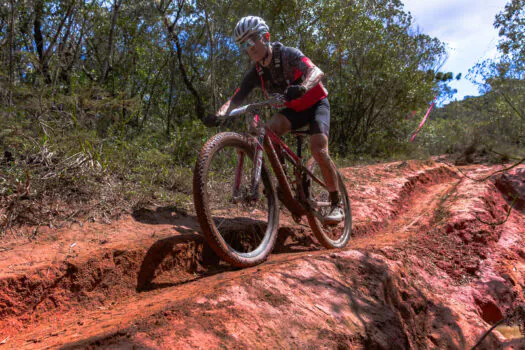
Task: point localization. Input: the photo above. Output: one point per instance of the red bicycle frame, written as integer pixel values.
(267, 141)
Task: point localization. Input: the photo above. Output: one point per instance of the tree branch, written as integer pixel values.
(199, 107)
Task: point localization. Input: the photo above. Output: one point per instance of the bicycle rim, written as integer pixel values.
(330, 236)
(241, 230)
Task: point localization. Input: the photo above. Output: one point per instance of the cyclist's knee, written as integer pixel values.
(319, 147)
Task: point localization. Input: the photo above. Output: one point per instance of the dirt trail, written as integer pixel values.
(424, 270)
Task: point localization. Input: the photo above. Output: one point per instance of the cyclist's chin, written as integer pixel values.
(256, 55)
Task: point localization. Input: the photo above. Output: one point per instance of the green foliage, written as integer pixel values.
(490, 127)
(117, 65)
(495, 121)
(511, 29)
(474, 127)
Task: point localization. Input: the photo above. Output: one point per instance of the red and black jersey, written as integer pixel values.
(293, 67)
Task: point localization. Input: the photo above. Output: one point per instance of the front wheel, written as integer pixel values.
(241, 229)
(330, 236)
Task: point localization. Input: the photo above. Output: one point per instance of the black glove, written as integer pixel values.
(294, 91)
(210, 120)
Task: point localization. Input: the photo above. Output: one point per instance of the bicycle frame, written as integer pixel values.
(267, 141)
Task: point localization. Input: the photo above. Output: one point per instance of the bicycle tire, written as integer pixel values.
(229, 230)
(330, 236)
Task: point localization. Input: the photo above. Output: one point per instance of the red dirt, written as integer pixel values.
(433, 264)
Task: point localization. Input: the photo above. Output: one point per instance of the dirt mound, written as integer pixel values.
(435, 260)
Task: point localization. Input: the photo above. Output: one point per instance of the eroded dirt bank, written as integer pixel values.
(435, 261)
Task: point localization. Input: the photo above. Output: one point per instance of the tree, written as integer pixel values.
(136, 66)
(376, 69)
(504, 78)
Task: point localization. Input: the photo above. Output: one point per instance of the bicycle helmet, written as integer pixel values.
(249, 25)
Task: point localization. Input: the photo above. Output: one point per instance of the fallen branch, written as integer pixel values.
(506, 218)
(486, 178)
(488, 332)
(504, 155)
(489, 176)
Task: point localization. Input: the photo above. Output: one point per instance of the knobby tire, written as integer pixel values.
(239, 254)
(331, 236)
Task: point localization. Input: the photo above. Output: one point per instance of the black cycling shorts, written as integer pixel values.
(318, 116)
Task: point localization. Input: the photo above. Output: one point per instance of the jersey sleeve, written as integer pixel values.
(249, 82)
(298, 60)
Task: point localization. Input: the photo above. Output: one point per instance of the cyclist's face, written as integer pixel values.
(255, 47)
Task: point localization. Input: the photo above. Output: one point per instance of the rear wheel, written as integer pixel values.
(329, 235)
(242, 230)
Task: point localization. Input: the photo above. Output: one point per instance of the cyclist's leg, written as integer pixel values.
(319, 149)
(279, 124)
(320, 128)
(295, 120)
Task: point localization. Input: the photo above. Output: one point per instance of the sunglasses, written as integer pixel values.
(250, 42)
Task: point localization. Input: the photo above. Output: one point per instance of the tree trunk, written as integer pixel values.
(39, 40)
(171, 88)
(107, 63)
(11, 53)
(199, 107)
(45, 54)
(211, 29)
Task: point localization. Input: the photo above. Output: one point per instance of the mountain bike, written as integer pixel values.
(236, 195)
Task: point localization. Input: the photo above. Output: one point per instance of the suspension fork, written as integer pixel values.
(257, 161)
(256, 171)
(238, 175)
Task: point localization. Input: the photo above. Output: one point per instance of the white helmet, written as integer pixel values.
(249, 25)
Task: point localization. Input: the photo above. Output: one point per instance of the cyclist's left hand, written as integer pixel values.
(293, 92)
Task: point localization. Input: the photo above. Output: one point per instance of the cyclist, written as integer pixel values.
(286, 70)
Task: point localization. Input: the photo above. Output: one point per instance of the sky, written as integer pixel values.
(466, 27)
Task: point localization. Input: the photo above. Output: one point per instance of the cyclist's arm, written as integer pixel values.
(225, 108)
(312, 77)
(248, 83)
(311, 73)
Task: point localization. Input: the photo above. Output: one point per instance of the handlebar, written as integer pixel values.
(274, 99)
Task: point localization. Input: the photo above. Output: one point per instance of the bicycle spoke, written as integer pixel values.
(239, 220)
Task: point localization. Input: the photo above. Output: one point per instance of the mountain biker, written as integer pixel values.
(286, 70)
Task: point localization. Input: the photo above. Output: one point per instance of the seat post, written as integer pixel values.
(299, 135)
(299, 138)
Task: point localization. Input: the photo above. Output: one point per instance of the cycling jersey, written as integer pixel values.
(293, 67)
